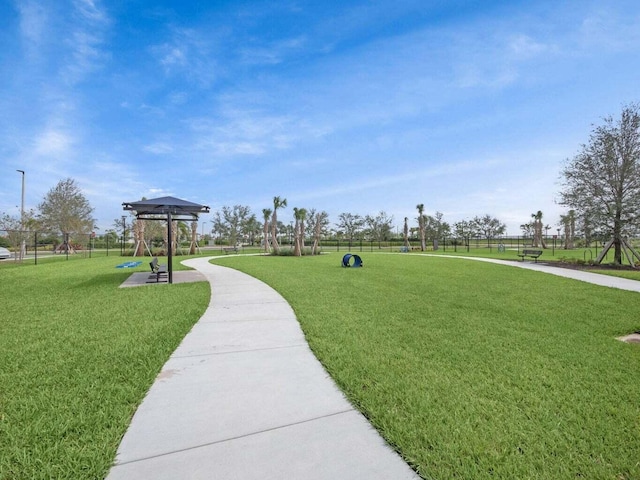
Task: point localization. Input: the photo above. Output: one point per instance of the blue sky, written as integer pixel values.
(469, 107)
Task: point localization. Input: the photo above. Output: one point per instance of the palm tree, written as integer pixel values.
(300, 214)
(421, 226)
(277, 203)
(538, 240)
(194, 238)
(569, 223)
(266, 213)
(296, 244)
(303, 217)
(406, 233)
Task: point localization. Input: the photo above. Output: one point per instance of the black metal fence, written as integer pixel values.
(31, 246)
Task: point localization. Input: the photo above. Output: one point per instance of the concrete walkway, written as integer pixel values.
(595, 278)
(243, 397)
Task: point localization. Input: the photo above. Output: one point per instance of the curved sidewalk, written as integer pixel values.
(243, 397)
(589, 277)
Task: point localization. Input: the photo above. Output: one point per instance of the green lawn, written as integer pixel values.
(77, 355)
(470, 370)
(473, 370)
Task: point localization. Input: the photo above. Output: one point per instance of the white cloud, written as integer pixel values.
(33, 21)
(187, 53)
(53, 142)
(85, 40)
(524, 47)
(159, 148)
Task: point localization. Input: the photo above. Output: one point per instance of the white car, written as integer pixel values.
(4, 253)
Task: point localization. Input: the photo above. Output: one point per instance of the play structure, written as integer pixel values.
(350, 260)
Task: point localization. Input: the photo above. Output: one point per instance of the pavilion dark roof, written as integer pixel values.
(179, 209)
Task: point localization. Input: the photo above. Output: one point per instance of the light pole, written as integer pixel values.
(23, 242)
(202, 235)
(124, 233)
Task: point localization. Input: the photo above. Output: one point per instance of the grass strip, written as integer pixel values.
(77, 355)
(474, 370)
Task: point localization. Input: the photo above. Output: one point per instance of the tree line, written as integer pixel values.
(238, 224)
(600, 188)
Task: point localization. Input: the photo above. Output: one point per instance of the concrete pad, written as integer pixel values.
(332, 447)
(137, 279)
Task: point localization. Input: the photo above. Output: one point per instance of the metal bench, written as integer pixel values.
(230, 249)
(157, 271)
(530, 253)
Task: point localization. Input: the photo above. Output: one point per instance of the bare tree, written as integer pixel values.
(603, 180)
(379, 227)
(318, 223)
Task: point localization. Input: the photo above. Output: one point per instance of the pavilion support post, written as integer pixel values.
(170, 244)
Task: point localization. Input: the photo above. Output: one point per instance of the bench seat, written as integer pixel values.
(157, 271)
(530, 253)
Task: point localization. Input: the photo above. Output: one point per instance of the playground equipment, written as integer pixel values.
(347, 261)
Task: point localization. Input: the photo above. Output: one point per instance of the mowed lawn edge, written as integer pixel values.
(77, 356)
(473, 370)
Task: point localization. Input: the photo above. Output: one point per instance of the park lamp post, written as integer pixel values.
(202, 235)
(23, 241)
(124, 233)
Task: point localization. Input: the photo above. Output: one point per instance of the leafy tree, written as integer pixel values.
(602, 181)
(489, 227)
(110, 238)
(16, 229)
(380, 226)
(251, 228)
(464, 229)
(65, 209)
(351, 225)
(435, 227)
(231, 222)
(527, 229)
